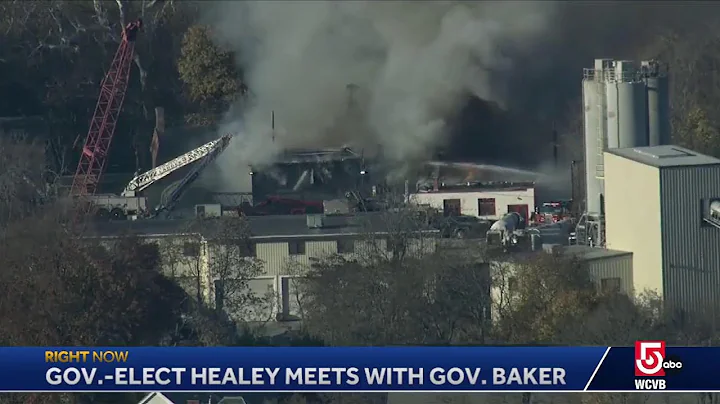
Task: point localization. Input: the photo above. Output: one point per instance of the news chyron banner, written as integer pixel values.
(649, 366)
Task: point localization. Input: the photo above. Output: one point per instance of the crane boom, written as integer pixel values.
(102, 126)
(168, 203)
(146, 179)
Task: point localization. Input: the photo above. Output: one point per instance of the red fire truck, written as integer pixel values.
(552, 212)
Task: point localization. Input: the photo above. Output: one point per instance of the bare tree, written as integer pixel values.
(22, 176)
(232, 267)
(396, 288)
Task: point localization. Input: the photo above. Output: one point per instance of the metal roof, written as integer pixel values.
(587, 253)
(581, 252)
(665, 156)
(261, 227)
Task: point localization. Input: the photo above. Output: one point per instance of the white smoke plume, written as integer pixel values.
(412, 63)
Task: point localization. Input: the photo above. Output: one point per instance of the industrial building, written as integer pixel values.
(311, 174)
(624, 106)
(484, 200)
(658, 202)
(280, 244)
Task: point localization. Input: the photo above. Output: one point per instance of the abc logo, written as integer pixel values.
(672, 365)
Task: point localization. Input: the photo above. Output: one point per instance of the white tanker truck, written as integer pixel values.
(507, 231)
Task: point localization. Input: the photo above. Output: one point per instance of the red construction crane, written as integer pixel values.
(102, 126)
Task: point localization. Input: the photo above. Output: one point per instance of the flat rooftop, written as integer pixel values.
(665, 156)
(592, 253)
(581, 252)
(477, 187)
(261, 227)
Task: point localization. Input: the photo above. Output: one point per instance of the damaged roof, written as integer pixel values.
(317, 155)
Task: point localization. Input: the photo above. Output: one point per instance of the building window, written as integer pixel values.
(345, 246)
(486, 207)
(296, 248)
(610, 285)
(451, 207)
(245, 247)
(248, 249)
(191, 249)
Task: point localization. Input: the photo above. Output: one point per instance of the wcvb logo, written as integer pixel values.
(650, 359)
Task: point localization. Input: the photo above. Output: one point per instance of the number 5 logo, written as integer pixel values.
(649, 357)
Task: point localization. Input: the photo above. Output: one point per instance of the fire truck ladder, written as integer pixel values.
(175, 191)
(102, 126)
(144, 180)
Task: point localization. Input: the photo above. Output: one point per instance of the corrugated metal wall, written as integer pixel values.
(690, 250)
(619, 267)
(277, 259)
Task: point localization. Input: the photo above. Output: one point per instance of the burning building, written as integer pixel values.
(311, 174)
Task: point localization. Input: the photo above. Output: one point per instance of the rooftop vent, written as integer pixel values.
(315, 221)
(664, 153)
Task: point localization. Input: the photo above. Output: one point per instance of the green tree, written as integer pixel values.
(209, 74)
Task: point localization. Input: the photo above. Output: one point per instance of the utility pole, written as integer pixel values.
(272, 125)
(555, 144)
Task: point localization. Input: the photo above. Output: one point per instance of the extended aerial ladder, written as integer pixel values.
(176, 191)
(144, 180)
(102, 126)
(129, 204)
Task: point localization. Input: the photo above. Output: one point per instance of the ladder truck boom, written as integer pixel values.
(130, 205)
(102, 126)
(146, 179)
(168, 202)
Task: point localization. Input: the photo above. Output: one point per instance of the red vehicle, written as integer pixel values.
(276, 205)
(552, 212)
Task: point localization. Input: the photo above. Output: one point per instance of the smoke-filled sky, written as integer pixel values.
(414, 64)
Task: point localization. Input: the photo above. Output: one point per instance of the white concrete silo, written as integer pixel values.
(620, 110)
(658, 99)
(592, 97)
(594, 127)
(626, 97)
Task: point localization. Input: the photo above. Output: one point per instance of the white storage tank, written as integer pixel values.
(626, 108)
(593, 121)
(658, 102)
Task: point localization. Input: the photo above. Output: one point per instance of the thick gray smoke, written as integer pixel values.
(412, 63)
